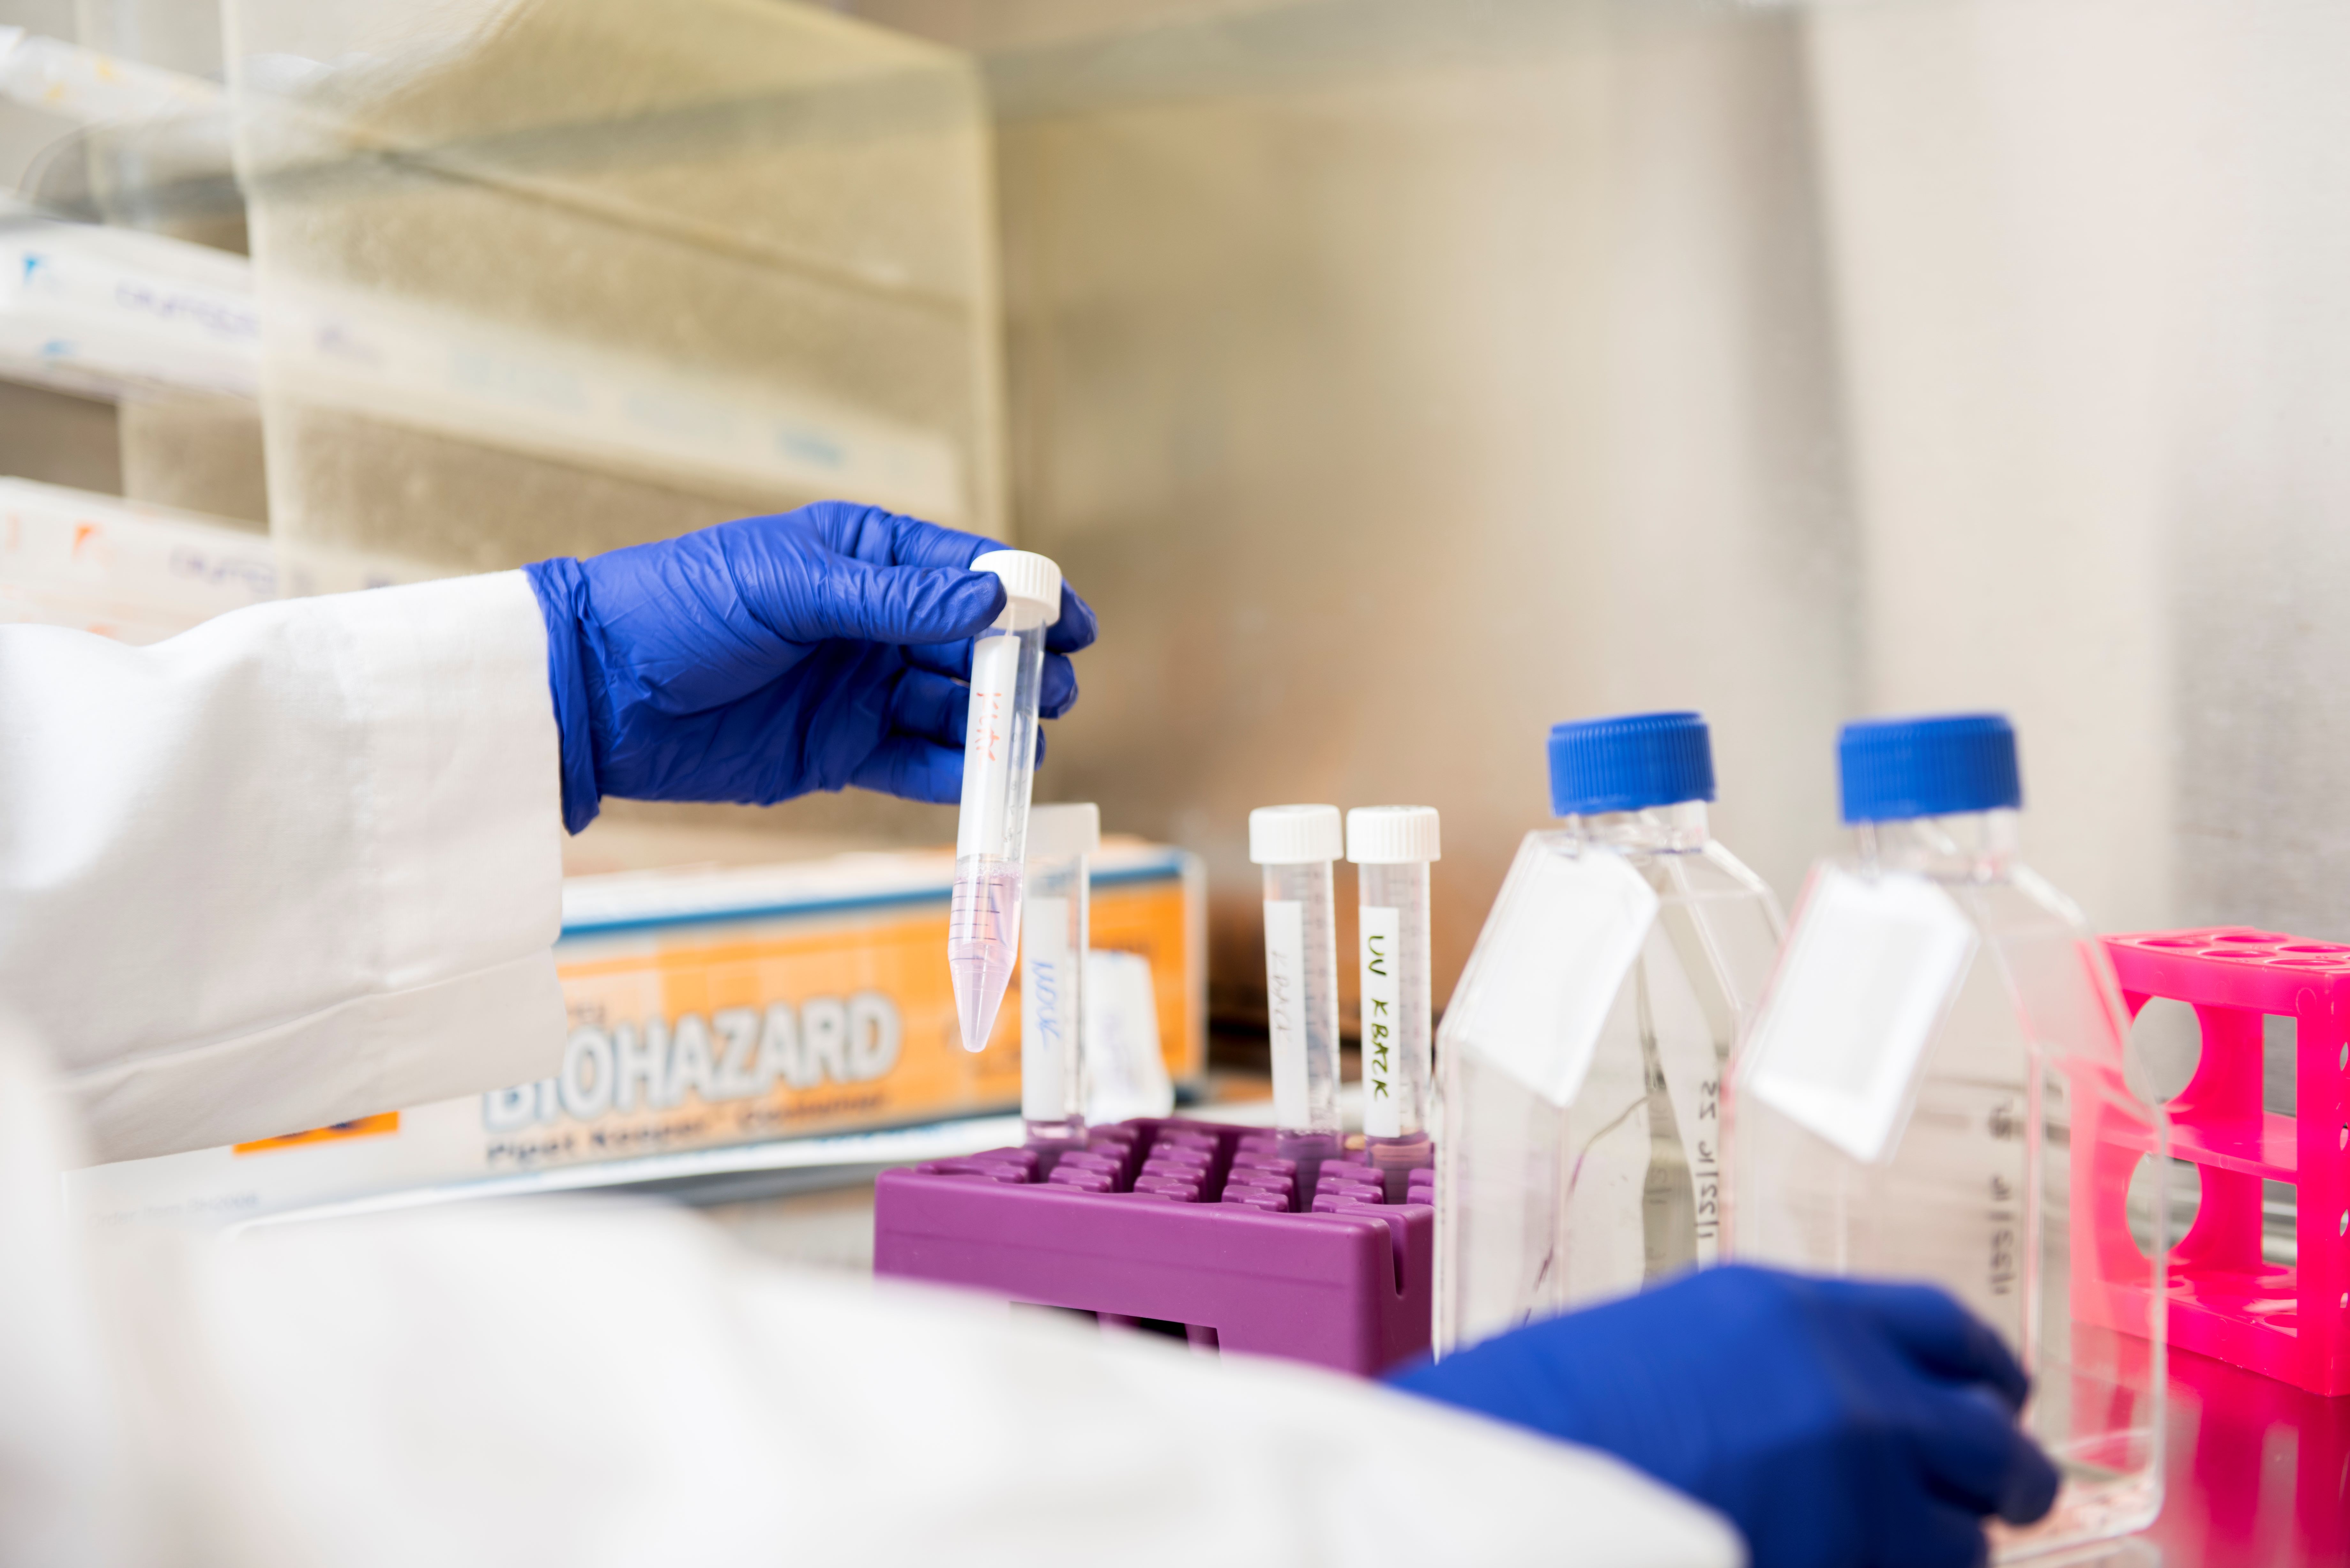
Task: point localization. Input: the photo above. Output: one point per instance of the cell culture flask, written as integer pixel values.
(1581, 1055)
(1941, 1019)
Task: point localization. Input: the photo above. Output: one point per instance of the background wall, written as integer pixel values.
(1396, 411)
(1404, 378)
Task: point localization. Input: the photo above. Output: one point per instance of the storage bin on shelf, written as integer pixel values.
(1177, 1224)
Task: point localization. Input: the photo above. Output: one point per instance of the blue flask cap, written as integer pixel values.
(1895, 769)
(1629, 762)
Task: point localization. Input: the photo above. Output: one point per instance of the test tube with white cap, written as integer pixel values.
(1062, 841)
(1391, 847)
(1295, 845)
(999, 763)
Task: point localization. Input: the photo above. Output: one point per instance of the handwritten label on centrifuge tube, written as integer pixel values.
(995, 667)
(1537, 1002)
(1383, 1065)
(1044, 1014)
(1285, 986)
(1858, 996)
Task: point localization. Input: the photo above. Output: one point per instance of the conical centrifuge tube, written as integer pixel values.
(1295, 845)
(999, 763)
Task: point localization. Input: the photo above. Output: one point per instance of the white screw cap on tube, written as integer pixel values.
(1392, 835)
(1028, 579)
(1063, 832)
(1296, 835)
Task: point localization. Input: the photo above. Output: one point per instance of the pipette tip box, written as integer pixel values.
(1194, 1226)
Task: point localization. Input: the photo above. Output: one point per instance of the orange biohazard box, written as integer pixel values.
(723, 1009)
(731, 1006)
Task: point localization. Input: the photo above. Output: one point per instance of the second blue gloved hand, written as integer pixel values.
(1838, 1423)
(766, 658)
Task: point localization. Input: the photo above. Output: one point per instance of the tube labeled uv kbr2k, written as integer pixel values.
(1295, 845)
(1062, 842)
(1391, 847)
(999, 762)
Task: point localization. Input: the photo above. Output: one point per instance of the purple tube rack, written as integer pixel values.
(1346, 1285)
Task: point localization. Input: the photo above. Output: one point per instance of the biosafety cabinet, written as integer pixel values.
(1911, 346)
(1395, 378)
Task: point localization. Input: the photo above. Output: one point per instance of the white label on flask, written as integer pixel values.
(1045, 1019)
(1284, 1005)
(1383, 1066)
(1868, 976)
(987, 747)
(1572, 932)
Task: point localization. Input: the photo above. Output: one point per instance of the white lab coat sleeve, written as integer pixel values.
(67, 1491)
(299, 865)
(606, 1384)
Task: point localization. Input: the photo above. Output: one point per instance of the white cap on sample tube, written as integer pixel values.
(1296, 835)
(1392, 835)
(1031, 582)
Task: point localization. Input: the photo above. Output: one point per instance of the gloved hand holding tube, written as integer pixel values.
(1837, 1423)
(770, 656)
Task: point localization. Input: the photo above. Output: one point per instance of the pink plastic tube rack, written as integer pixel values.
(2289, 1323)
(1181, 1224)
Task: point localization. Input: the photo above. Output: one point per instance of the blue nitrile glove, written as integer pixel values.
(765, 657)
(1838, 1423)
